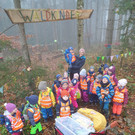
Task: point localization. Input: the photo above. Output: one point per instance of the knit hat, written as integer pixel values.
(91, 67)
(33, 99)
(99, 77)
(83, 72)
(82, 50)
(70, 48)
(112, 69)
(58, 76)
(42, 85)
(76, 75)
(64, 81)
(106, 66)
(64, 93)
(74, 82)
(10, 107)
(107, 77)
(122, 82)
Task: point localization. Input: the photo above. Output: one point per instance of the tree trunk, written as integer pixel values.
(25, 51)
(110, 27)
(80, 25)
(119, 30)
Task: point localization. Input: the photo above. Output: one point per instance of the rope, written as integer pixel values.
(7, 29)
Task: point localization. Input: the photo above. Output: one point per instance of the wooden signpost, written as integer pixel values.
(44, 15)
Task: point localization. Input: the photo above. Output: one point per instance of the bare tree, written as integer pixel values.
(80, 25)
(25, 50)
(119, 30)
(110, 27)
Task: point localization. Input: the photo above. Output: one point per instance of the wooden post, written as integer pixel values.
(25, 50)
(80, 25)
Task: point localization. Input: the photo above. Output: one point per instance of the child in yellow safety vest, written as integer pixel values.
(120, 97)
(64, 107)
(93, 87)
(33, 113)
(13, 120)
(46, 100)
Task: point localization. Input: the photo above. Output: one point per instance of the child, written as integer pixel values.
(33, 113)
(46, 100)
(84, 85)
(111, 73)
(104, 72)
(120, 97)
(91, 74)
(70, 56)
(14, 120)
(64, 107)
(57, 84)
(64, 86)
(65, 76)
(73, 93)
(105, 93)
(93, 87)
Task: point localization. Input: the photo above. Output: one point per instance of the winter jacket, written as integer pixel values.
(58, 107)
(88, 84)
(31, 114)
(72, 58)
(109, 89)
(8, 124)
(76, 66)
(56, 84)
(46, 93)
(125, 96)
(93, 87)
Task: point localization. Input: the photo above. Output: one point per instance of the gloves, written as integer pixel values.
(58, 116)
(71, 116)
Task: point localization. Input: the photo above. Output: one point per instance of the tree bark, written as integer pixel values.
(25, 51)
(80, 25)
(119, 30)
(110, 27)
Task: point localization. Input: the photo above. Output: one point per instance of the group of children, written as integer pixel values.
(103, 88)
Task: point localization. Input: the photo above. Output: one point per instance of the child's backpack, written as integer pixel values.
(25, 111)
(66, 55)
(78, 93)
(2, 119)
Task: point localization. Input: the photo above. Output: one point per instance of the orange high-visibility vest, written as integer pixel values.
(56, 88)
(65, 109)
(92, 78)
(46, 100)
(119, 96)
(104, 90)
(16, 122)
(95, 85)
(36, 112)
(73, 57)
(112, 81)
(83, 83)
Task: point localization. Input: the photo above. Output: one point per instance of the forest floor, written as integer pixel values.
(55, 64)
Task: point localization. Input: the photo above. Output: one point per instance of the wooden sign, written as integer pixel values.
(45, 15)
